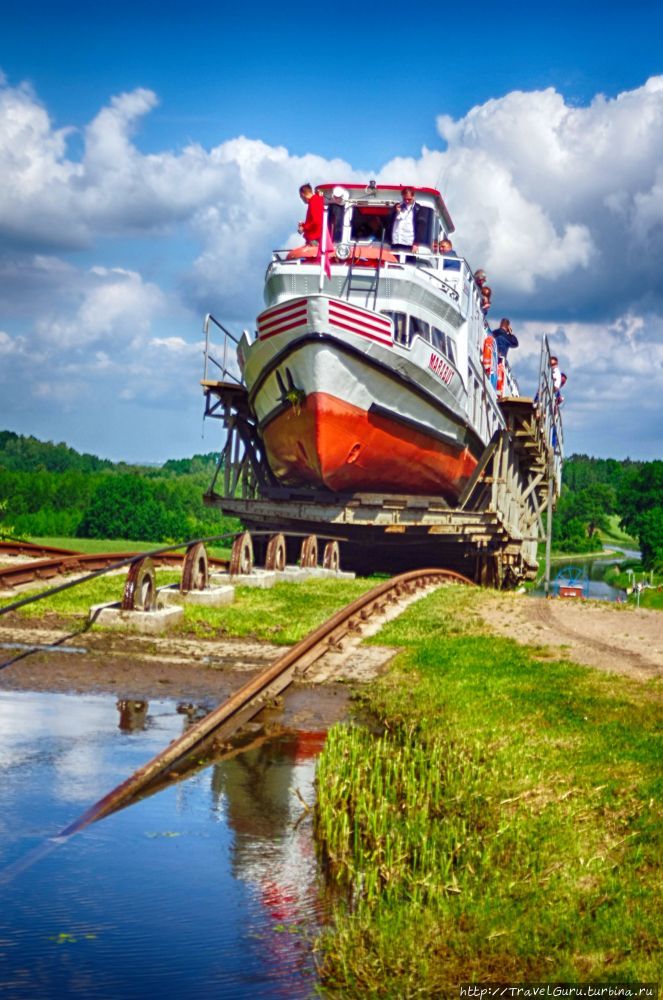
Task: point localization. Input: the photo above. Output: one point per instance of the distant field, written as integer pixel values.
(117, 545)
(615, 534)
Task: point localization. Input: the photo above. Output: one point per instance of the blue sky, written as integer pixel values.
(150, 161)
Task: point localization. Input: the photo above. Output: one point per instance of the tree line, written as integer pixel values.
(50, 490)
(593, 489)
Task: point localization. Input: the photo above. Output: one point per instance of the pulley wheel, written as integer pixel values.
(195, 569)
(332, 556)
(275, 558)
(140, 589)
(308, 556)
(241, 557)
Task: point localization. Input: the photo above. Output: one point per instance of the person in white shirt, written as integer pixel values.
(403, 222)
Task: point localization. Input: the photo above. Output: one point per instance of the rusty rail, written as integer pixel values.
(75, 562)
(224, 720)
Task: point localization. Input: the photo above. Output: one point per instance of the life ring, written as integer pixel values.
(307, 250)
(489, 358)
(500, 378)
(368, 255)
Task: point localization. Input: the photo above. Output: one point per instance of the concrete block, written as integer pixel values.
(260, 578)
(212, 597)
(330, 574)
(149, 622)
(292, 574)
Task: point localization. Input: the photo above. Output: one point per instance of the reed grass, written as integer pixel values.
(500, 824)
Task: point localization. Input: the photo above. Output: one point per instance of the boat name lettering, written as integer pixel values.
(440, 368)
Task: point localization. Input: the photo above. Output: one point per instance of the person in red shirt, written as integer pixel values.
(311, 227)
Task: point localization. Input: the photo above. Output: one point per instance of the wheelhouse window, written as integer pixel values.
(425, 226)
(335, 214)
(369, 225)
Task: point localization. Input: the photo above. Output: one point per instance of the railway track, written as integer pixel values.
(216, 728)
(64, 562)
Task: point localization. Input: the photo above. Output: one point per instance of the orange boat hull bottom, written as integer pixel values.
(328, 442)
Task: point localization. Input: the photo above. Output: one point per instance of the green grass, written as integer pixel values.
(503, 826)
(117, 545)
(651, 597)
(95, 544)
(283, 614)
(615, 535)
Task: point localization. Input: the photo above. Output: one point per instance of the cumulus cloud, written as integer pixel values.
(562, 205)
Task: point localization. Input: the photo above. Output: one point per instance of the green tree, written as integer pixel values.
(123, 506)
(641, 508)
(580, 514)
(651, 538)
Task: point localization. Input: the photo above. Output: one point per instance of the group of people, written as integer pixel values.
(403, 231)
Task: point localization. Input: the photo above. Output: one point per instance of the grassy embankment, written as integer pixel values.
(503, 824)
(282, 615)
(502, 827)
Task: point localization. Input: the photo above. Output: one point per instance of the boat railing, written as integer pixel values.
(485, 413)
(510, 381)
(547, 407)
(229, 355)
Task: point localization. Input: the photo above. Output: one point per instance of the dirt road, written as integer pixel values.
(611, 637)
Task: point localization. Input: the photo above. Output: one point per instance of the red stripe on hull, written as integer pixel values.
(295, 321)
(359, 330)
(328, 442)
(372, 319)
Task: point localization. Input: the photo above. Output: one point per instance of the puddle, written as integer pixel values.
(207, 889)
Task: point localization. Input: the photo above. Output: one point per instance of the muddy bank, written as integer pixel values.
(202, 672)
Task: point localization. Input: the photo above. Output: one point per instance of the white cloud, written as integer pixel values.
(117, 306)
(562, 205)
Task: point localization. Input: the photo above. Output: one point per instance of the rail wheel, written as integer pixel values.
(331, 558)
(140, 589)
(275, 558)
(241, 557)
(195, 569)
(308, 556)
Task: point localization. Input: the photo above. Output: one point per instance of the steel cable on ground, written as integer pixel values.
(111, 567)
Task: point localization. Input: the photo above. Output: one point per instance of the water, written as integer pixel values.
(595, 568)
(208, 888)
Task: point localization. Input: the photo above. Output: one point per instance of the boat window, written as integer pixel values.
(400, 326)
(425, 226)
(438, 340)
(369, 225)
(419, 328)
(444, 343)
(335, 215)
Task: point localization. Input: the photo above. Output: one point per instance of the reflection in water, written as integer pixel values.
(206, 889)
(133, 714)
(267, 795)
(595, 569)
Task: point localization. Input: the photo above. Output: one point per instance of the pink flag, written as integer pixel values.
(326, 248)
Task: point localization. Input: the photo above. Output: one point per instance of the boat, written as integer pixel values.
(369, 406)
(365, 373)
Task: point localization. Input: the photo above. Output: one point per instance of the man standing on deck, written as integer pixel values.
(504, 338)
(311, 227)
(403, 222)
